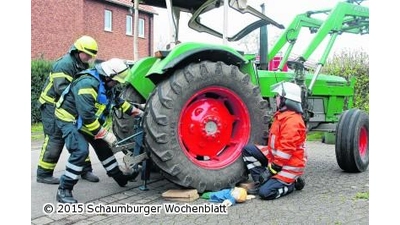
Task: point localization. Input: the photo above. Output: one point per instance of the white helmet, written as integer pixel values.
(116, 69)
(287, 90)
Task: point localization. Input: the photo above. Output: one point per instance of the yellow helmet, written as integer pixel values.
(87, 45)
(116, 69)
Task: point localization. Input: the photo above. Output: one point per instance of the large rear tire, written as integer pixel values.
(198, 122)
(352, 141)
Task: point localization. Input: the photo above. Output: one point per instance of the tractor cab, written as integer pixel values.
(203, 16)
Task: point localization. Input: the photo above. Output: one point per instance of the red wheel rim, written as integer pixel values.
(363, 142)
(214, 125)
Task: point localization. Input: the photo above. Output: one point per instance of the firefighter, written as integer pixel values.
(77, 59)
(81, 114)
(277, 167)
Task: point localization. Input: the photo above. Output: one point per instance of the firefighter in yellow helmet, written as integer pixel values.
(81, 114)
(62, 73)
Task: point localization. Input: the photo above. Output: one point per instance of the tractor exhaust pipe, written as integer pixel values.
(314, 78)
(263, 44)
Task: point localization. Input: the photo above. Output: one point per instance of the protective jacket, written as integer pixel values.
(286, 145)
(88, 103)
(61, 75)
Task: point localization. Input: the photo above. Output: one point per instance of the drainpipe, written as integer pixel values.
(136, 31)
(150, 43)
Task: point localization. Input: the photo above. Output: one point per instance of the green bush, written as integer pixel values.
(349, 64)
(40, 69)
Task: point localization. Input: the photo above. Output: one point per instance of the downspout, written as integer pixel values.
(136, 31)
(150, 44)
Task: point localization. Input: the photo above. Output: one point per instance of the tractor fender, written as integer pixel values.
(147, 72)
(137, 77)
(186, 53)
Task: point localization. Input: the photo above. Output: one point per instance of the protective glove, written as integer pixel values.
(270, 171)
(106, 136)
(273, 168)
(136, 112)
(139, 106)
(142, 106)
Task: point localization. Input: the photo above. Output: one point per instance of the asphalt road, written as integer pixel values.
(330, 196)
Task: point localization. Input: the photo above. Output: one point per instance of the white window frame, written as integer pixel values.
(129, 25)
(141, 28)
(107, 20)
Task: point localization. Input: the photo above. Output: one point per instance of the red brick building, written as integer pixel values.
(56, 24)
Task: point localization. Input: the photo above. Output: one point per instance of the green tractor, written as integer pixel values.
(204, 102)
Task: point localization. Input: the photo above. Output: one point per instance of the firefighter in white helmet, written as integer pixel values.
(82, 113)
(277, 167)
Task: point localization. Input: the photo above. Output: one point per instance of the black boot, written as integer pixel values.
(122, 179)
(299, 183)
(65, 196)
(47, 180)
(254, 188)
(45, 176)
(89, 176)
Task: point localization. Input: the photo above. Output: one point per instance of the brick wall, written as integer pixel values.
(56, 24)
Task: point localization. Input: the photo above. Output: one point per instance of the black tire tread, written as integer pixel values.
(162, 138)
(347, 136)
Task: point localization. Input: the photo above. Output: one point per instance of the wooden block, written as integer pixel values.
(181, 195)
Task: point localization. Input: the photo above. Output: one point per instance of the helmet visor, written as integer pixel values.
(277, 88)
(120, 77)
(89, 51)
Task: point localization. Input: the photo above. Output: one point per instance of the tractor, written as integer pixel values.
(204, 102)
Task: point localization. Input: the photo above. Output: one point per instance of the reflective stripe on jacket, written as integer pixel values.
(286, 145)
(61, 75)
(87, 103)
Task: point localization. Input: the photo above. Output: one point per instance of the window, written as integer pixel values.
(128, 25)
(107, 20)
(141, 28)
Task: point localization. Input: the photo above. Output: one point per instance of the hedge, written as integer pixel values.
(350, 63)
(40, 70)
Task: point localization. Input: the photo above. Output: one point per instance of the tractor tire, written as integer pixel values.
(199, 120)
(352, 141)
(123, 124)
